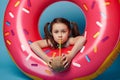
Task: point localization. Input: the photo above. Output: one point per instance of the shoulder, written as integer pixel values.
(73, 40)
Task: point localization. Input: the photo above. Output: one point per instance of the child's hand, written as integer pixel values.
(49, 62)
(66, 58)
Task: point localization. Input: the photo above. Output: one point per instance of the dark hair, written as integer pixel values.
(72, 26)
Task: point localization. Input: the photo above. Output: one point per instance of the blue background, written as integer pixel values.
(69, 11)
(9, 71)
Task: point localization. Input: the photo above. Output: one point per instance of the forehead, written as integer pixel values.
(59, 26)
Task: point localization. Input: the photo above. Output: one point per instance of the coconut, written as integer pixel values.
(57, 64)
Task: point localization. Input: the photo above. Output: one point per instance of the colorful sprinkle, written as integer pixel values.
(93, 4)
(11, 14)
(7, 33)
(47, 51)
(82, 49)
(26, 32)
(87, 58)
(96, 35)
(8, 42)
(17, 3)
(8, 23)
(85, 7)
(107, 3)
(29, 3)
(12, 32)
(26, 10)
(48, 71)
(99, 23)
(23, 47)
(76, 64)
(29, 41)
(106, 38)
(95, 49)
(54, 54)
(34, 65)
(28, 57)
(103, 15)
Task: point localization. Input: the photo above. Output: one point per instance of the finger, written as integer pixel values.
(65, 61)
(63, 54)
(66, 65)
(49, 64)
(63, 57)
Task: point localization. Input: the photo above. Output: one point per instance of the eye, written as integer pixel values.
(63, 31)
(56, 31)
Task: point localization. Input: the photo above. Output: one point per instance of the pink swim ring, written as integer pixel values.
(102, 33)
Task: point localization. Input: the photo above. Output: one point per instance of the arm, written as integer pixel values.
(37, 48)
(78, 43)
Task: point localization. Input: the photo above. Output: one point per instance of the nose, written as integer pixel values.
(60, 35)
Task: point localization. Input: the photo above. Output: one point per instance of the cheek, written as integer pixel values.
(65, 37)
(54, 37)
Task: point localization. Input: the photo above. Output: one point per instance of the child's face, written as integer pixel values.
(60, 31)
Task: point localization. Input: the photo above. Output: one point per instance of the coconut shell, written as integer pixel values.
(57, 64)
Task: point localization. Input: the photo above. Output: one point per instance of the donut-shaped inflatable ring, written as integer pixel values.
(102, 34)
